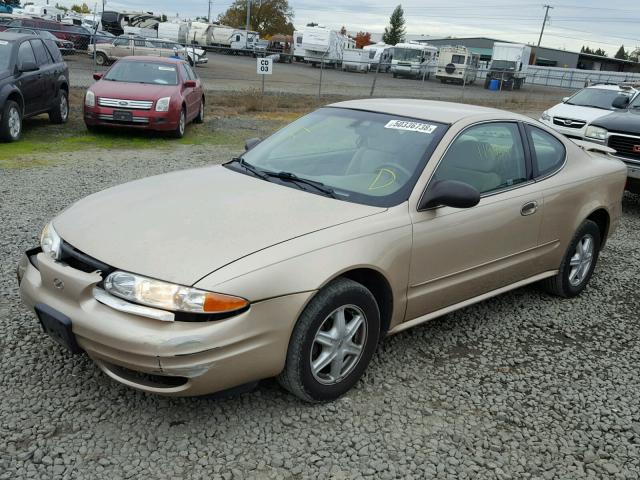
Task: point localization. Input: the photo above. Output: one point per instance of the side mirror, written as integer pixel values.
(564, 100)
(29, 67)
(449, 193)
(97, 75)
(621, 101)
(250, 143)
(190, 84)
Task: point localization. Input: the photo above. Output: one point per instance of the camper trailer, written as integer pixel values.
(174, 31)
(456, 64)
(415, 60)
(133, 23)
(509, 63)
(200, 33)
(233, 40)
(48, 12)
(355, 59)
(322, 45)
(298, 51)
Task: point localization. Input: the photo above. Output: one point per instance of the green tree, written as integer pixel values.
(84, 8)
(634, 56)
(621, 53)
(395, 32)
(600, 52)
(269, 17)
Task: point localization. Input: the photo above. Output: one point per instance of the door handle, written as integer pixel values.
(529, 208)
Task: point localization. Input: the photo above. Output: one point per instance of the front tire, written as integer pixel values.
(11, 122)
(60, 113)
(332, 342)
(182, 125)
(578, 263)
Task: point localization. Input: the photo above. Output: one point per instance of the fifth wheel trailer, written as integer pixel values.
(322, 45)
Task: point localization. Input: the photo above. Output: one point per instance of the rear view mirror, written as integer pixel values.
(250, 143)
(97, 75)
(621, 101)
(28, 67)
(190, 84)
(449, 193)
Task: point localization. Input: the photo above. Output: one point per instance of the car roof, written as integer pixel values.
(445, 112)
(607, 86)
(12, 37)
(150, 58)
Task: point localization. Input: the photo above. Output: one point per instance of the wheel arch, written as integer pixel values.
(601, 217)
(15, 95)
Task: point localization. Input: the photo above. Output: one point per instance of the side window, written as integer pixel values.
(121, 42)
(42, 56)
(53, 50)
(184, 72)
(192, 74)
(548, 151)
(489, 157)
(25, 53)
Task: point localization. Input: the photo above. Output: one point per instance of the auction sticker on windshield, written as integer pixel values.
(411, 126)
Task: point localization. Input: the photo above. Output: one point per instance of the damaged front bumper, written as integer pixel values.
(165, 357)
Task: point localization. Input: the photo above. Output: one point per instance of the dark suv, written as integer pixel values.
(621, 131)
(33, 79)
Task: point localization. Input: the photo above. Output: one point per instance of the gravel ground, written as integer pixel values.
(521, 386)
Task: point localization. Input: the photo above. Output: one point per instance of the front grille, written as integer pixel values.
(568, 122)
(125, 104)
(627, 147)
(109, 118)
(81, 261)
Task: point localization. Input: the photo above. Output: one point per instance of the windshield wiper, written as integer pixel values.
(292, 177)
(250, 168)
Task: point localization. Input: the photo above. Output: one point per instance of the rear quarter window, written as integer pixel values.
(548, 152)
(53, 50)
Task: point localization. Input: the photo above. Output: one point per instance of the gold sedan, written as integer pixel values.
(356, 221)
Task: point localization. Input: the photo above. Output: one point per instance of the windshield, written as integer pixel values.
(595, 97)
(5, 53)
(503, 65)
(407, 54)
(364, 157)
(143, 72)
(635, 103)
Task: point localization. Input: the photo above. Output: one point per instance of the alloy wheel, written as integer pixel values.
(64, 106)
(14, 122)
(581, 260)
(338, 344)
(181, 123)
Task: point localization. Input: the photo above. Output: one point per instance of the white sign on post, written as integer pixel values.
(265, 66)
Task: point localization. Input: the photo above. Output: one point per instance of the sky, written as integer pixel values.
(573, 23)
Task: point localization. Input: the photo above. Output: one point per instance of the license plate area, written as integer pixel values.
(122, 116)
(57, 326)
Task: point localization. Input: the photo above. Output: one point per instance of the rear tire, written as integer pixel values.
(332, 342)
(60, 113)
(578, 263)
(200, 117)
(101, 59)
(11, 122)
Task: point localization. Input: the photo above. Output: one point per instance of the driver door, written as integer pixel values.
(459, 254)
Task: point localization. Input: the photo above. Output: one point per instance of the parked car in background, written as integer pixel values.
(620, 131)
(65, 46)
(129, 45)
(358, 220)
(34, 79)
(574, 113)
(80, 36)
(153, 93)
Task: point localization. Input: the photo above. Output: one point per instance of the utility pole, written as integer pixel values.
(248, 16)
(544, 22)
(209, 15)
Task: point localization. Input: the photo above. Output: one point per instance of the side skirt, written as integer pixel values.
(457, 306)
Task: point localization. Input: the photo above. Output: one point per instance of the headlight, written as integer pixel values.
(90, 99)
(545, 117)
(169, 296)
(596, 132)
(162, 105)
(50, 242)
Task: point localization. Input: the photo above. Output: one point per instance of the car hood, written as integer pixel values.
(132, 91)
(576, 112)
(181, 226)
(627, 121)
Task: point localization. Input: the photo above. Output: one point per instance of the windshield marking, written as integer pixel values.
(411, 126)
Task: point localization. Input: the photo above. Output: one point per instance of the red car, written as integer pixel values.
(151, 93)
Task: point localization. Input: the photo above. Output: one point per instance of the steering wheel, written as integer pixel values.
(392, 169)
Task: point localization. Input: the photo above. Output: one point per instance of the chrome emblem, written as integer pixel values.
(636, 149)
(568, 122)
(59, 284)
(122, 103)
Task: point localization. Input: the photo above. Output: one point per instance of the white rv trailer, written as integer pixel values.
(457, 64)
(298, 51)
(200, 33)
(174, 31)
(48, 12)
(416, 60)
(233, 40)
(321, 44)
(355, 59)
